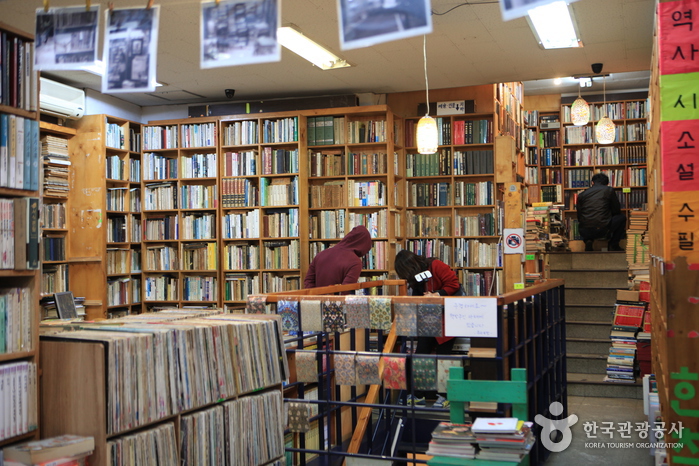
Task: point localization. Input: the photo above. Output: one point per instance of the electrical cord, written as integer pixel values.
(434, 13)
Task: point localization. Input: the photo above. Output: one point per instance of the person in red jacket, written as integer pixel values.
(441, 281)
(342, 263)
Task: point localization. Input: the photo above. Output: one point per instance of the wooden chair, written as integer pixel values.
(460, 391)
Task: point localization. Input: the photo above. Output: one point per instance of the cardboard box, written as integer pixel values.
(627, 295)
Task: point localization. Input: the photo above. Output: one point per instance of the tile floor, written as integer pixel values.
(595, 411)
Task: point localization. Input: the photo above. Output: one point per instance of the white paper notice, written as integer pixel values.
(471, 317)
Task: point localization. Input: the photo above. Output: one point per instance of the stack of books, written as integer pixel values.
(637, 245)
(621, 362)
(66, 450)
(454, 440)
(503, 439)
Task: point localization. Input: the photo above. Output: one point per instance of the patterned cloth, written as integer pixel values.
(333, 316)
(367, 368)
(289, 311)
(310, 316)
(429, 320)
(306, 366)
(425, 373)
(256, 305)
(298, 417)
(380, 313)
(345, 373)
(394, 373)
(443, 366)
(357, 311)
(406, 319)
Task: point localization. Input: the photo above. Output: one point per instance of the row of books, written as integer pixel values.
(281, 255)
(550, 176)
(238, 286)
(198, 226)
(159, 167)
(54, 248)
(198, 166)
(601, 155)
(19, 152)
(199, 135)
(116, 229)
(18, 396)
(242, 163)
(240, 133)
(279, 191)
(196, 288)
(19, 233)
(54, 278)
(241, 257)
(367, 131)
(279, 161)
(366, 193)
(332, 162)
(164, 196)
(199, 256)
(485, 283)
(18, 82)
(475, 253)
(334, 224)
(325, 130)
(160, 137)
(426, 225)
(281, 130)
(118, 291)
(115, 168)
(64, 450)
(431, 248)
(484, 224)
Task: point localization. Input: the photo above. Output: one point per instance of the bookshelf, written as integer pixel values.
(105, 222)
(235, 367)
(20, 253)
(180, 211)
(455, 211)
(356, 178)
(561, 158)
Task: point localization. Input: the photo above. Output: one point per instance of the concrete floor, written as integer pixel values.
(595, 411)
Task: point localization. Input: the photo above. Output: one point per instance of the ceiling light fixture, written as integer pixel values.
(605, 130)
(557, 81)
(294, 40)
(426, 133)
(554, 26)
(585, 82)
(580, 111)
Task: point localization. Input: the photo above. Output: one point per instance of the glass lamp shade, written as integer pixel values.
(426, 135)
(605, 131)
(580, 112)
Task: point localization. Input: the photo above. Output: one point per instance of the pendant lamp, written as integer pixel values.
(580, 111)
(605, 130)
(426, 134)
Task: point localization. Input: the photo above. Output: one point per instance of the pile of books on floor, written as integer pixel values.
(621, 362)
(502, 439)
(454, 440)
(66, 450)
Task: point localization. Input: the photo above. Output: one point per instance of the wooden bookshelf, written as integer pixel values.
(20, 265)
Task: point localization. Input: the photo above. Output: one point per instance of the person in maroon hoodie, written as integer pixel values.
(441, 281)
(342, 263)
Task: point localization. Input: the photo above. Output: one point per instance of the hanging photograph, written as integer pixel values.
(239, 33)
(130, 50)
(369, 22)
(512, 9)
(66, 38)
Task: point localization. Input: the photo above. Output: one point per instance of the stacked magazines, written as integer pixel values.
(455, 440)
(503, 439)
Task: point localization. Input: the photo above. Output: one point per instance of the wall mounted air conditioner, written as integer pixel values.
(60, 100)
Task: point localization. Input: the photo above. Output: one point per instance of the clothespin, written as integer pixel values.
(88, 4)
(46, 6)
(110, 6)
(150, 4)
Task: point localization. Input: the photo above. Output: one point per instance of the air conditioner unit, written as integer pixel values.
(60, 100)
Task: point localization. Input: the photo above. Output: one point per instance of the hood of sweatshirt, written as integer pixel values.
(358, 240)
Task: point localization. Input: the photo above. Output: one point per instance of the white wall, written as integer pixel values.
(165, 112)
(97, 103)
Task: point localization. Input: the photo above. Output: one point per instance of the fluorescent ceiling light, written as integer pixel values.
(554, 26)
(301, 45)
(585, 82)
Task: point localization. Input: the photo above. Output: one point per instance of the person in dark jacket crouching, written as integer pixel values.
(599, 214)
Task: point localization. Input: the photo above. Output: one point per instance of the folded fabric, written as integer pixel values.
(289, 312)
(443, 366)
(345, 373)
(394, 373)
(429, 320)
(306, 366)
(357, 312)
(425, 373)
(380, 313)
(298, 416)
(367, 367)
(333, 316)
(311, 320)
(256, 305)
(406, 319)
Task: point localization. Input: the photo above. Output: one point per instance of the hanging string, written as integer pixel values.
(604, 95)
(427, 86)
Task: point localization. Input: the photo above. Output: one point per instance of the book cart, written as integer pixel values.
(354, 422)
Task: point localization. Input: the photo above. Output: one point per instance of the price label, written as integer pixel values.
(519, 286)
(530, 257)
(626, 190)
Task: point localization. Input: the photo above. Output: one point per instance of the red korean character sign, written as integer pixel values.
(680, 155)
(679, 36)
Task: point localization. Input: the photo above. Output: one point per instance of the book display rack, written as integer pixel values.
(19, 239)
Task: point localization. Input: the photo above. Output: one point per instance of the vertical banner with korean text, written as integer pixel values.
(678, 57)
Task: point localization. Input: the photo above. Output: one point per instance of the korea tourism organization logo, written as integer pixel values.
(619, 434)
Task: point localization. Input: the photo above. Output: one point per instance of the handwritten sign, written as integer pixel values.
(471, 317)
(451, 107)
